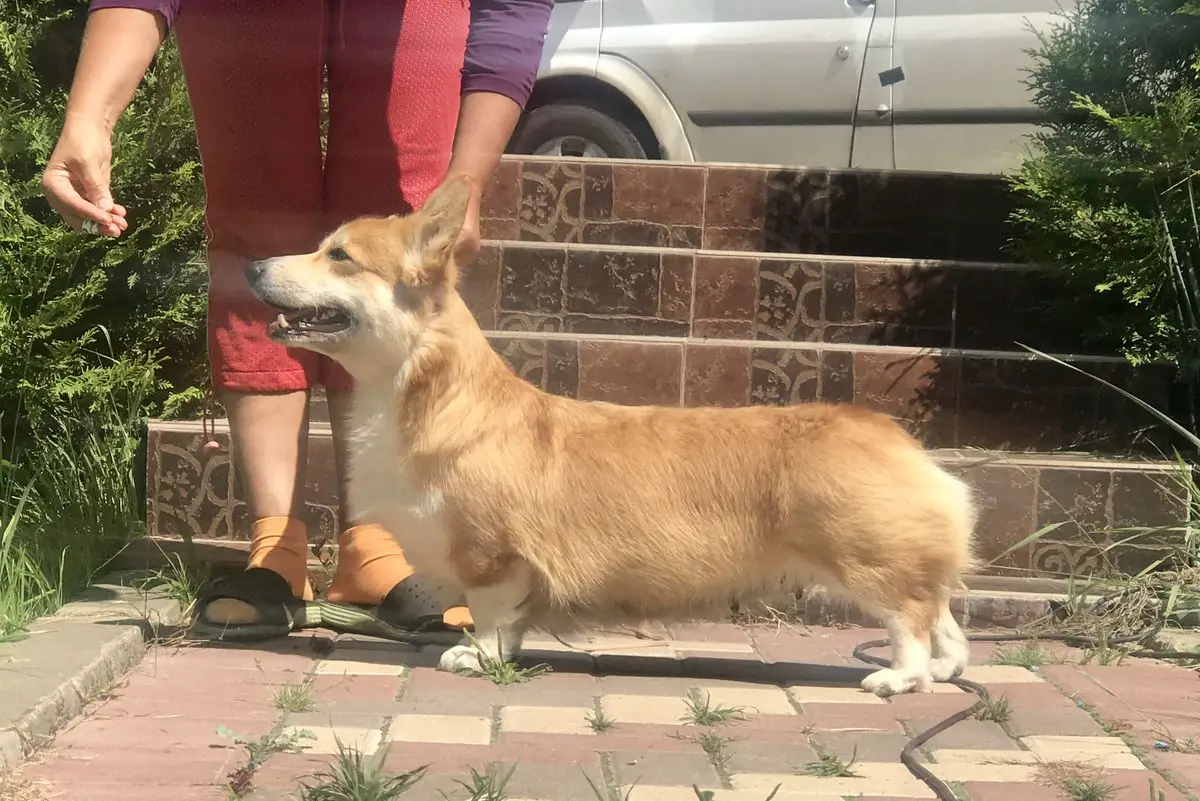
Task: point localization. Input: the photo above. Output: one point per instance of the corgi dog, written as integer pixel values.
(554, 514)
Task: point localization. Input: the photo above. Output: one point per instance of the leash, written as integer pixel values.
(907, 754)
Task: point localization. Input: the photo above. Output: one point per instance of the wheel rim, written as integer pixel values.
(571, 146)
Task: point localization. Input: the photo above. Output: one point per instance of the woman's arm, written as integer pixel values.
(118, 45)
(119, 42)
(504, 50)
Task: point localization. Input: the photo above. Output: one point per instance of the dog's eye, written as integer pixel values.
(337, 254)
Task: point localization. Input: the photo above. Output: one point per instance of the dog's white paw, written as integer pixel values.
(888, 682)
(462, 659)
(946, 668)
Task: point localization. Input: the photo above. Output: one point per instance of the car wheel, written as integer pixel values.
(580, 131)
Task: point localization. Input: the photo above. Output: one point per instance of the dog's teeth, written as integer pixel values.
(281, 321)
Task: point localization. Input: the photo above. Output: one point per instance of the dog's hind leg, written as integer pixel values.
(951, 651)
(496, 610)
(910, 631)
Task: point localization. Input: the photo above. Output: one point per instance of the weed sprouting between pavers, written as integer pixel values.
(502, 672)
(1077, 782)
(996, 710)
(599, 720)
(352, 777)
(702, 712)
(491, 785)
(240, 780)
(829, 765)
(296, 697)
(1030, 655)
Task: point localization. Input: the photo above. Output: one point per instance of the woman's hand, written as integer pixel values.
(76, 178)
(466, 250)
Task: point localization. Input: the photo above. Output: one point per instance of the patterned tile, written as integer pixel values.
(734, 208)
(724, 297)
(326, 738)
(547, 720)
(551, 206)
(456, 729)
(871, 777)
(1109, 753)
(1001, 674)
(803, 694)
(633, 373)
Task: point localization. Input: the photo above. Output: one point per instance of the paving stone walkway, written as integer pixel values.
(164, 733)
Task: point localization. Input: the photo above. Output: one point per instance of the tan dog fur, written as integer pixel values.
(554, 513)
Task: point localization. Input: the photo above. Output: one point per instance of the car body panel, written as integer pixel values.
(883, 84)
(963, 105)
(750, 76)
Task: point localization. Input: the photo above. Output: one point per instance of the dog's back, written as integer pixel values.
(642, 513)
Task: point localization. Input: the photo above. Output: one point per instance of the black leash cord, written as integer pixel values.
(907, 754)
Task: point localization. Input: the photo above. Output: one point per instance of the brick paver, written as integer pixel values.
(613, 712)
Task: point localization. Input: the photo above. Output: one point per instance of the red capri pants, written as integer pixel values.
(254, 75)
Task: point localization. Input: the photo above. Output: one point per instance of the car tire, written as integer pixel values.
(571, 130)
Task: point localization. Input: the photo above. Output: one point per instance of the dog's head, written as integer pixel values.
(368, 293)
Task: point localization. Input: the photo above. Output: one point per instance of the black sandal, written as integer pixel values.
(280, 612)
(407, 609)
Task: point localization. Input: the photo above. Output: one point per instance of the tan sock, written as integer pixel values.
(280, 545)
(370, 564)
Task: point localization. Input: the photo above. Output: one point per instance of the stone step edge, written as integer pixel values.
(990, 602)
(951, 457)
(737, 165)
(774, 344)
(123, 624)
(882, 261)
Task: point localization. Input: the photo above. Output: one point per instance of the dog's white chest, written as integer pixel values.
(382, 490)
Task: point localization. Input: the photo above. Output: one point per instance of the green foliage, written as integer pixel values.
(1109, 198)
(94, 334)
(57, 287)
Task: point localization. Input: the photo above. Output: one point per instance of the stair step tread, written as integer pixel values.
(897, 261)
(748, 207)
(319, 429)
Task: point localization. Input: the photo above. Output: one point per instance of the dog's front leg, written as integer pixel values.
(497, 638)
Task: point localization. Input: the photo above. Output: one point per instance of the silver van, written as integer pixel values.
(886, 84)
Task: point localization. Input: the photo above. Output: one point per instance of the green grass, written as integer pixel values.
(1028, 655)
(491, 785)
(68, 505)
(716, 750)
(501, 672)
(352, 777)
(296, 697)
(702, 712)
(997, 710)
(829, 765)
(599, 720)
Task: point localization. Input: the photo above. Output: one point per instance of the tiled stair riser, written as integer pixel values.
(198, 497)
(748, 208)
(769, 297)
(731, 330)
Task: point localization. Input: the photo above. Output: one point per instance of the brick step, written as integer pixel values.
(198, 498)
(748, 208)
(607, 289)
(949, 398)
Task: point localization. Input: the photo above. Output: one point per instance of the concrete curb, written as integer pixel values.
(974, 609)
(71, 657)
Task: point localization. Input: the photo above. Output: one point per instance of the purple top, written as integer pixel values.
(504, 46)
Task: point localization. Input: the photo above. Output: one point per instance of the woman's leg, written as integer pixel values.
(394, 88)
(254, 75)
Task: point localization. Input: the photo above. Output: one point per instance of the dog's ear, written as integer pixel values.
(438, 225)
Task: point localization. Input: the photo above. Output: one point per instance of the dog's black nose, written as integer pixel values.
(254, 271)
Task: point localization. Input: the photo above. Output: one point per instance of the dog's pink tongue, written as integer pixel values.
(278, 324)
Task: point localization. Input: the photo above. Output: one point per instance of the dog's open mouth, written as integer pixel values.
(322, 322)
